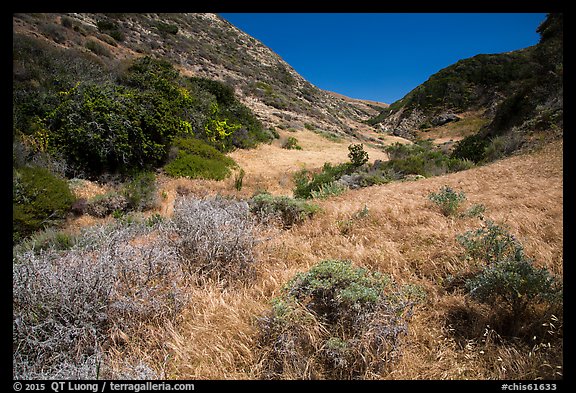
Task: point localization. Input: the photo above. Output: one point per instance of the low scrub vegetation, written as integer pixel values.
(335, 321)
(289, 211)
(216, 237)
(39, 199)
(196, 159)
(291, 144)
(415, 161)
(447, 199)
(521, 295)
(81, 295)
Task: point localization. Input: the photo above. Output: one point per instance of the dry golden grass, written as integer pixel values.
(271, 167)
(403, 235)
(406, 236)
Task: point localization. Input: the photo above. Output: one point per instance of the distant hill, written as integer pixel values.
(519, 90)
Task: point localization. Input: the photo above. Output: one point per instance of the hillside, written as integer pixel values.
(204, 45)
(518, 94)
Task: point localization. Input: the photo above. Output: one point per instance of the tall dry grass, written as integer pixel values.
(393, 229)
(402, 234)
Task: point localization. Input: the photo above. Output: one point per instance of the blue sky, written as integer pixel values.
(382, 56)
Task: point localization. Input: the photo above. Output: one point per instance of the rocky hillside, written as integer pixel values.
(518, 91)
(205, 45)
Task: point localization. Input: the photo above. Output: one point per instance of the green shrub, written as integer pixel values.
(514, 285)
(472, 148)
(520, 295)
(335, 321)
(289, 211)
(105, 204)
(195, 167)
(140, 192)
(489, 244)
(166, 28)
(198, 160)
(39, 199)
(307, 182)
(421, 158)
(98, 48)
(357, 155)
(74, 108)
(239, 179)
(291, 144)
(476, 210)
(326, 190)
(447, 199)
(47, 239)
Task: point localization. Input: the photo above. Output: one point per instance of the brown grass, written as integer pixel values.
(403, 235)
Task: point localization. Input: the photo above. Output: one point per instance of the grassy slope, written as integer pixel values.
(403, 235)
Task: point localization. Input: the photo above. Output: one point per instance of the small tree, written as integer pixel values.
(357, 155)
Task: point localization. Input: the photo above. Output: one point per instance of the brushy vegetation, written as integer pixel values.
(198, 160)
(309, 184)
(39, 199)
(291, 143)
(335, 321)
(68, 306)
(78, 116)
(78, 296)
(216, 237)
(447, 199)
(521, 295)
(357, 155)
(289, 211)
(118, 119)
(420, 159)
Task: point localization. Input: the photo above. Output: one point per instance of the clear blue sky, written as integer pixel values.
(382, 56)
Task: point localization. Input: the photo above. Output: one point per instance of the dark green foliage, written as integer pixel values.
(357, 155)
(140, 191)
(471, 148)
(239, 179)
(198, 160)
(106, 24)
(335, 321)
(97, 48)
(291, 144)
(250, 130)
(72, 107)
(166, 28)
(307, 182)
(289, 211)
(421, 158)
(39, 199)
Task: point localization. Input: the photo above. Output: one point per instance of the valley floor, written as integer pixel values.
(405, 236)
